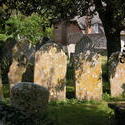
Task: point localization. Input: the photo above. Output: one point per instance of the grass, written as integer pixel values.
(80, 113)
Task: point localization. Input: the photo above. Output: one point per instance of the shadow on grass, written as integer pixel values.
(80, 114)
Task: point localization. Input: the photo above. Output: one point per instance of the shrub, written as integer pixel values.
(31, 27)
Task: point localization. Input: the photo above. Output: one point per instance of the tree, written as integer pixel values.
(111, 13)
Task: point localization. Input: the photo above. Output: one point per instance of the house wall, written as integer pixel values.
(67, 33)
(60, 32)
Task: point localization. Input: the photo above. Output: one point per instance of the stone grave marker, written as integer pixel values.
(29, 97)
(83, 45)
(116, 66)
(50, 70)
(88, 80)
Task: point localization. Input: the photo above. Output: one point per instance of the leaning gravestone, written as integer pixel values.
(116, 66)
(50, 70)
(88, 76)
(29, 97)
(22, 65)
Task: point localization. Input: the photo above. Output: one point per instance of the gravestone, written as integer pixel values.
(22, 65)
(116, 67)
(88, 84)
(50, 70)
(29, 97)
(83, 45)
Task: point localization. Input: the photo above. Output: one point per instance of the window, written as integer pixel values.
(96, 28)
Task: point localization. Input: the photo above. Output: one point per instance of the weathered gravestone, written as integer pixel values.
(88, 76)
(84, 44)
(22, 65)
(29, 97)
(50, 70)
(116, 66)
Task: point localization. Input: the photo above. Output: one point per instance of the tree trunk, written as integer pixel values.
(113, 41)
(111, 28)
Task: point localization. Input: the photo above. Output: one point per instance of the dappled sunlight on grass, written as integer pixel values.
(80, 114)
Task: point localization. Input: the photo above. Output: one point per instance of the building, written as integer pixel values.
(84, 29)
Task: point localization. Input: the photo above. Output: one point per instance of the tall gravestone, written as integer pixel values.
(22, 65)
(88, 80)
(50, 70)
(116, 66)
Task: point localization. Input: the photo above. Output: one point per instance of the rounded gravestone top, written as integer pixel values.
(83, 45)
(29, 97)
(88, 56)
(59, 47)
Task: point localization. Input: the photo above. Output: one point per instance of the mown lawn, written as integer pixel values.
(80, 113)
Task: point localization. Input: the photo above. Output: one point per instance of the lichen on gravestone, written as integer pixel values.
(50, 70)
(29, 97)
(88, 79)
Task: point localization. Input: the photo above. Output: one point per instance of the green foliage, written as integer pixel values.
(4, 37)
(112, 14)
(107, 97)
(32, 27)
(4, 16)
(6, 91)
(73, 101)
(70, 75)
(70, 92)
(105, 78)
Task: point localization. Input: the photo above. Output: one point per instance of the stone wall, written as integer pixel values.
(50, 70)
(116, 67)
(88, 80)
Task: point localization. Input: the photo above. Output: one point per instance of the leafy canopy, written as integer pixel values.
(30, 27)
